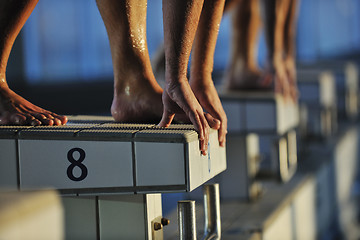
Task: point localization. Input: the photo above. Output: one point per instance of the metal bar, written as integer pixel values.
(212, 212)
(186, 220)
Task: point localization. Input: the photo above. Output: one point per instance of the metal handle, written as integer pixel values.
(187, 220)
(212, 212)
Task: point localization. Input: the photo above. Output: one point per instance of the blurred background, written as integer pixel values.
(62, 62)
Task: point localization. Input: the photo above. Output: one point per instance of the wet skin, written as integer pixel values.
(181, 20)
(202, 63)
(137, 96)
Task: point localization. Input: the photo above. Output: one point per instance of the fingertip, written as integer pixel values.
(166, 119)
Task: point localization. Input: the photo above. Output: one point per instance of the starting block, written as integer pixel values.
(254, 119)
(87, 159)
(102, 169)
(262, 113)
(318, 103)
(346, 76)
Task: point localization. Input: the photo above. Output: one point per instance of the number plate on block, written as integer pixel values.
(75, 164)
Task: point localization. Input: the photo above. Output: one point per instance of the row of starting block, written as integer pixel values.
(111, 176)
(262, 149)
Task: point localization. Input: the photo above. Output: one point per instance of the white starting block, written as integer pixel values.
(346, 76)
(260, 113)
(317, 90)
(87, 161)
(254, 118)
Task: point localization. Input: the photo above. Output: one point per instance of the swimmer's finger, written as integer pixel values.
(166, 119)
(199, 127)
(222, 133)
(206, 130)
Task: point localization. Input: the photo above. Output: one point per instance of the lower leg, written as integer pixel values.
(289, 43)
(137, 95)
(202, 63)
(244, 72)
(13, 108)
(274, 19)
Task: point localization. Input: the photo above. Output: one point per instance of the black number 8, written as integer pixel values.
(76, 163)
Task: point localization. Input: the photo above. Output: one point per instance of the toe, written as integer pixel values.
(4, 119)
(47, 122)
(57, 122)
(35, 122)
(63, 119)
(18, 119)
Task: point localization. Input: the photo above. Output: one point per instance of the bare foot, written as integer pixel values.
(281, 79)
(291, 72)
(137, 101)
(208, 98)
(248, 80)
(15, 110)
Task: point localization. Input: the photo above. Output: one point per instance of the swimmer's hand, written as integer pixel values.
(179, 98)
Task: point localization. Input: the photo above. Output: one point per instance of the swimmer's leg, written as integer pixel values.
(137, 95)
(290, 46)
(243, 72)
(274, 16)
(15, 110)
